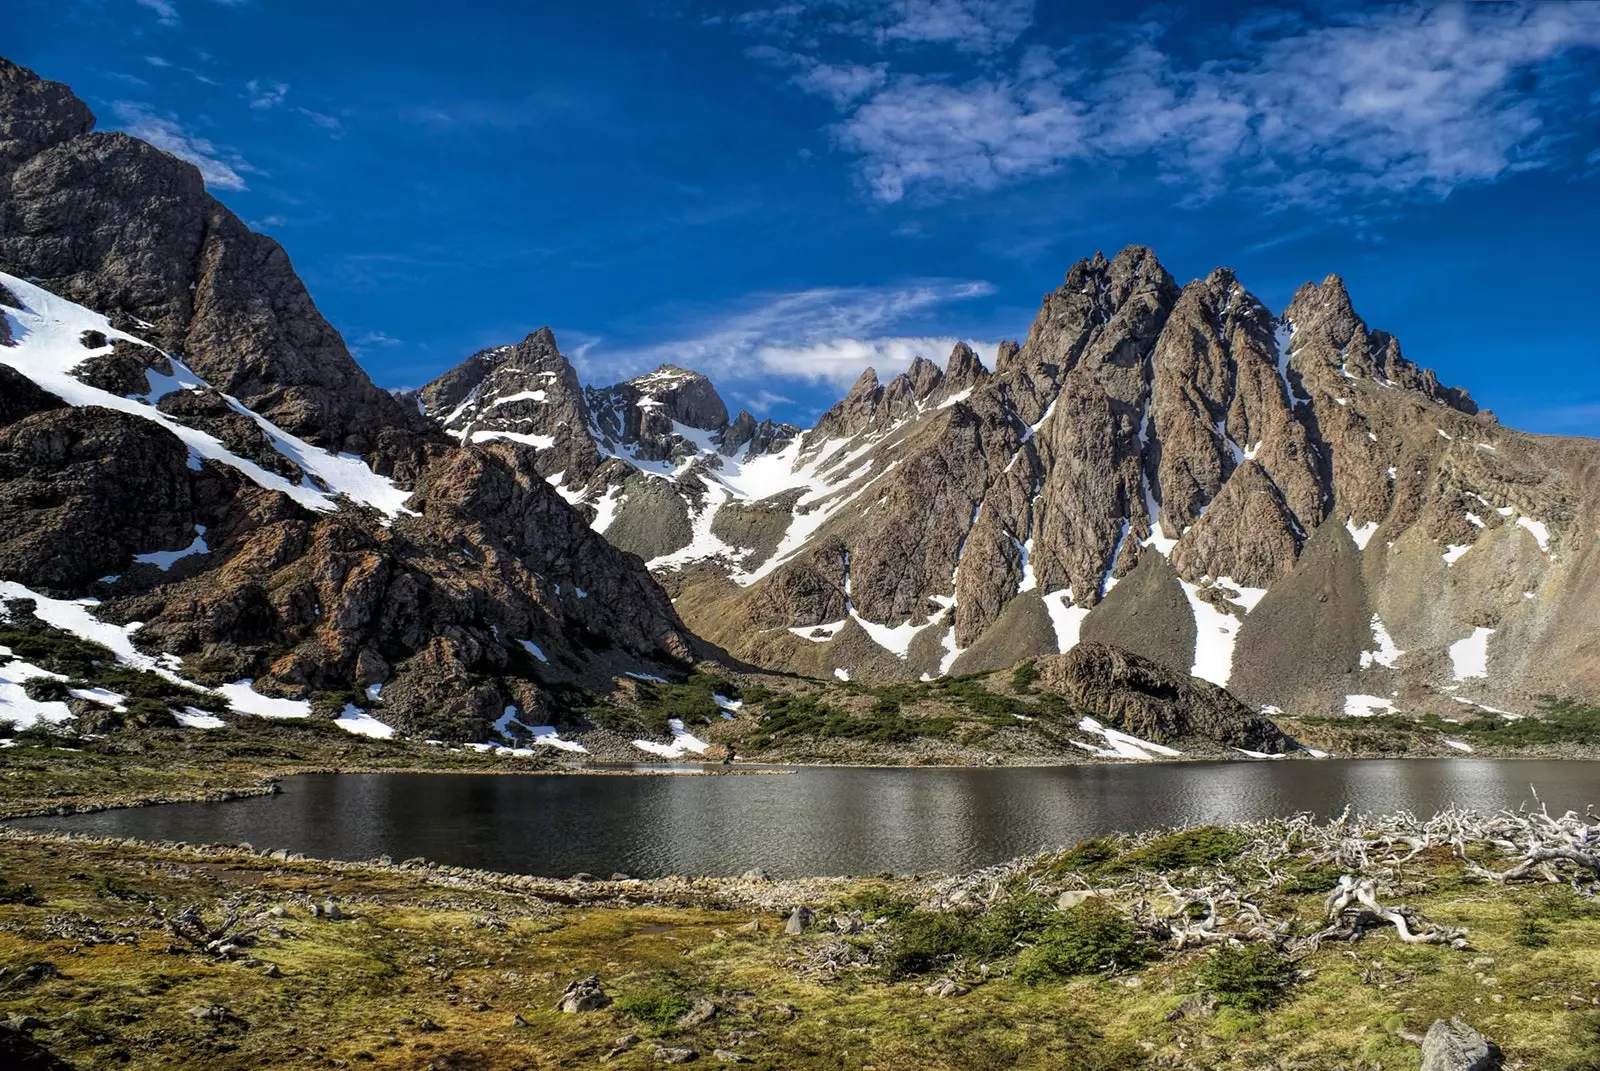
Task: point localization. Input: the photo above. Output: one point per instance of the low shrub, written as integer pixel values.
(1201, 846)
(1248, 977)
(1023, 676)
(19, 894)
(922, 940)
(1091, 937)
(661, 1005)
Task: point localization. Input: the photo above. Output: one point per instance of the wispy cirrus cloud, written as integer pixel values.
(220, 168)
(166, 12)
(826, 335)
(264, 93)
(1377, 105)
(970, 26)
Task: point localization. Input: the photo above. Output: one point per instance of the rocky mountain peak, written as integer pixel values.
(35, 114)
(924, 376)
(152, 250)
(965, 369)
(682, 395)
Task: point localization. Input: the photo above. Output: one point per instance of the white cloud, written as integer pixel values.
(970, 26)
(823, 335)
(166, 11)
(157, 61)
(1388, 103)
(265, 94)
(326, 122)
(967, 25)
(220, 170)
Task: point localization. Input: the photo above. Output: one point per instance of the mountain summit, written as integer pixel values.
(1280, 503)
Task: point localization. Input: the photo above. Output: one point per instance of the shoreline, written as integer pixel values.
(269, 779)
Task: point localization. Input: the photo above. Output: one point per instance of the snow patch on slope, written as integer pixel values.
(47, 334)
(1470, 657)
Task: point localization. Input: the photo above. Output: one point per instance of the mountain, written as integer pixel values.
(196, 475)
(1279, 503)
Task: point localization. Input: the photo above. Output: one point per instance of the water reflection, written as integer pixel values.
(814, 820)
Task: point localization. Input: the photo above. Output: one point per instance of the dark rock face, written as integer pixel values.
(445, 601)
(35, 114)
(81, 490)
(1150, 701)
(121, 227)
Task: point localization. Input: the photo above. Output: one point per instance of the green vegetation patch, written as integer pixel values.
(787, 718)
(1250, 977)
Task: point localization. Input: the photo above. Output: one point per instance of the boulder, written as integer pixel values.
(584, 995)
(1454, 1046)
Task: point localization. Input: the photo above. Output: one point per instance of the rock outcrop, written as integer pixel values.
(1143, 698)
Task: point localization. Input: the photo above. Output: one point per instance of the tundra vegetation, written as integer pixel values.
(1288, 944)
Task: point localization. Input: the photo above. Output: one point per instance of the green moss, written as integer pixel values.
(659, 1004)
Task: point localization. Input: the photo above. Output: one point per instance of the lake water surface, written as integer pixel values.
(814, 820)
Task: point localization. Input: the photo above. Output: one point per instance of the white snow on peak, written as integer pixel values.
(355, 720)
(819, 633)
(104, 696)
(1362, 534)
(842, 673)
(195, 718)
(72, 615)
(1217, 632)
(1118, 744)
(47, 335)
(534, 649)
(520, 396)
(1470, 657)
(650, 677)
(951, 651)
(1029, 581)
(1283, 336)
(165, 559)
(20, 709)
(1459, 746)
(538, 442)
(547, 736)
(1454, 551)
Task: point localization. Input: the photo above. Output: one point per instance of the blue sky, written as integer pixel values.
(780, 194)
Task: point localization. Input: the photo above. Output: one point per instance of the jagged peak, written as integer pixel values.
(866, 383)
(667, 374)
(924, 376)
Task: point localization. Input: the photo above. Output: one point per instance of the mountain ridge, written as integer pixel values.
(1183, 437)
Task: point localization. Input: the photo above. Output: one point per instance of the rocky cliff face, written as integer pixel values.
(645, 459)
(1279, 503)
(184, 438)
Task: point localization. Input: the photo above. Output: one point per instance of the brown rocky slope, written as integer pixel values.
(186, 439)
